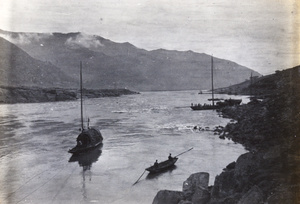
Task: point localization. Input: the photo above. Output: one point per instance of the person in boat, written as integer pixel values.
(170, 157)
(156, 164)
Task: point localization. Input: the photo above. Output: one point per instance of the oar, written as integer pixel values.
(184, 152)
(139, 178)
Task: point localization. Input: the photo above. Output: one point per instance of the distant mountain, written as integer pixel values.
(17, 68)
(117, 65)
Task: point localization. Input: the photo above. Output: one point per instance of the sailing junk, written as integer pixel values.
(207, 106)
(221, 102)
(88, 138)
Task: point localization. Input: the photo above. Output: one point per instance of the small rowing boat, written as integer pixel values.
(162, 166)
(159, 167)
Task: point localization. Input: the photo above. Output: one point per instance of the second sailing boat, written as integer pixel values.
(207, 106)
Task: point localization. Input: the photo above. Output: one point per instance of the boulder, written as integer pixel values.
(284, 195)
(246, 165)
(273, 152)
(231, 166)
(253, 196)
(224, 185)
(185, 202)
(168, 197)
(195, 188)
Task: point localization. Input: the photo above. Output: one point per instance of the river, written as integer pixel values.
(137, 129)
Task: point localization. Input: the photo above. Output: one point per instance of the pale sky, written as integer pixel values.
(260, 34)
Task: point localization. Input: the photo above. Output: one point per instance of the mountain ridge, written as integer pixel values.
(122, 65)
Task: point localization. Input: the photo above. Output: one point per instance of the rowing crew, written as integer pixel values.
(169, 157)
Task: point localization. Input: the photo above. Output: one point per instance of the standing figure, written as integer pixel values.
(156, 164)
(170, 157)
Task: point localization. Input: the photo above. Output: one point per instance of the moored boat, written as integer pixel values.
(221, 102)
(203, 107)
(207, 106)
(89, 138)
(215, 99)
(229, 102)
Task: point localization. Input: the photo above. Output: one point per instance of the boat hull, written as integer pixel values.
(203, 107)
(81, 150)
(229, 102)
(162, 166)
(220, 104)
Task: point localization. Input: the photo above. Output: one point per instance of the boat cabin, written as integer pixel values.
(89, 136)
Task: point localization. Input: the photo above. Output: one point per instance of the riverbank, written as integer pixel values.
(269, 173)
(9, 95)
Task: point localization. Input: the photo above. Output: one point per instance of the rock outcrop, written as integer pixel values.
(194, 190)
(253, 196)
(168, 197)
(34, 95)
(98, 93)
(269, 129)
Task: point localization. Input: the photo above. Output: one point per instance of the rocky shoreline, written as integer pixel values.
(269, 173)
(10, 95)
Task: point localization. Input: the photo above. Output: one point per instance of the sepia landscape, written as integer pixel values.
(187, 113)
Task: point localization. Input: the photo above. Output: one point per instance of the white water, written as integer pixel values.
(137, 130)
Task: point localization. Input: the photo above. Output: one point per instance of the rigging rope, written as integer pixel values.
(43, 184)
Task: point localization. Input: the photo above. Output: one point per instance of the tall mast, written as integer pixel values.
(212, 81)
(251, 85)
(81, 105)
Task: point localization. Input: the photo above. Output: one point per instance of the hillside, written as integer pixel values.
(265, 85)
(20, 69)
(117, 65)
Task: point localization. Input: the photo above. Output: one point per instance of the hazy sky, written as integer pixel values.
(260, 34)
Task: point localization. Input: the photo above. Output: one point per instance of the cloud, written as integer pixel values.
(87, 41)
(25, 38)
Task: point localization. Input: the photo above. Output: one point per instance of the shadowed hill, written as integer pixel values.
(265, 85)
(20, 69)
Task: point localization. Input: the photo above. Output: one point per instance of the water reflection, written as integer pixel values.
(87, 159)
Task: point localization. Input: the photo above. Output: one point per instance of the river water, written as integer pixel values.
(137, 130)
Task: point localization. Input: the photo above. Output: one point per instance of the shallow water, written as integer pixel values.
(137, 130)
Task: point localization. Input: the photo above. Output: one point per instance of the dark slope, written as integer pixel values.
(17, 68)
(264, 86)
